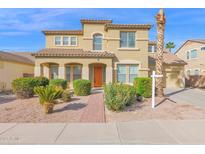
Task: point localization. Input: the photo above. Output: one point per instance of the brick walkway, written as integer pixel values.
(95, 111)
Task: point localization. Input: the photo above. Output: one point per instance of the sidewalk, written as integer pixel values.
(138, 132)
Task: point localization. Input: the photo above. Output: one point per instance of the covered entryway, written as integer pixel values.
(97, 74)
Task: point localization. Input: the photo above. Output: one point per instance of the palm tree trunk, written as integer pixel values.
(160, 49)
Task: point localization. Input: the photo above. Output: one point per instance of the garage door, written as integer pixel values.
(173, 80)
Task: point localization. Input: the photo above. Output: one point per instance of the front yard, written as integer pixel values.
(29, 110)
(41, 100)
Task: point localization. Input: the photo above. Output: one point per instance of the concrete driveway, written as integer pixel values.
(193, 96)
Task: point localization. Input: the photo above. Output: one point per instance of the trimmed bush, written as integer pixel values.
(118, 96)
(66, 96)
(58, 83)
(41, 81)
(23, 87)
(143, 86)
(82, 87)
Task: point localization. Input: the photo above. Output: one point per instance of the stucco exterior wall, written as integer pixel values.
(111, 43)
(196, 63)
(12, 70)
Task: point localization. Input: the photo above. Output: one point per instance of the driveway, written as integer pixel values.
(193, 96)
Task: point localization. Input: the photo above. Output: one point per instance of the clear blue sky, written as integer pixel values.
(20, 29)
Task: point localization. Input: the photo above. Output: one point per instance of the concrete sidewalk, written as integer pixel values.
(136, 132)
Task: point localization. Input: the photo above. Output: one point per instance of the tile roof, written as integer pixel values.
(168, 58)
(127, 26)
(25, 54)
(57, 52)
(94, 21)
(7, 56)
(153, 42)
(191, 40)
(59, 32)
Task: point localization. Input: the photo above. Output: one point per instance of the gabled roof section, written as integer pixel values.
(127, 26)
(168, 58)
(94, 21)
(191, 40)
(63, 32)
(57, 52)
(7, 56)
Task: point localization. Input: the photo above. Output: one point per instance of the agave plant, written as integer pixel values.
(47, 96)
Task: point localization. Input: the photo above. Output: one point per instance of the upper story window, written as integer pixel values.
(57, 40)
(193, 53)
(97, 42)
(203, 49)
(73, 41)
(196, 72)
(66, 40)
(127, 39)
(152, 48)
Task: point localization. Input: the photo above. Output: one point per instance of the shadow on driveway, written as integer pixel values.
(178, 91)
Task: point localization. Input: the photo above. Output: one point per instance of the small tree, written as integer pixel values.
(170, 46)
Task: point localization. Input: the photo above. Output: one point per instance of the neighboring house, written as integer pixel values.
(102, 52)
(173, 67)
(193, 53)
(14, 65)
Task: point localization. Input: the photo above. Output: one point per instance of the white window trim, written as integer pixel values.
(69, 41)
(127, 48)
(93, 34)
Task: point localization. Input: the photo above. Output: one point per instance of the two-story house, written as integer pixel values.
(193, 52)
(102, 52)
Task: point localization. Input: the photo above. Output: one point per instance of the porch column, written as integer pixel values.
(85, 72)
(109, 72)
(61, 72)
(37, 71)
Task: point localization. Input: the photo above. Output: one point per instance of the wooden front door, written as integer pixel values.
(98, 76)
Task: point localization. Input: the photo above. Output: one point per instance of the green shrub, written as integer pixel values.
(143, 86)
(118, 96)
(82, 87)
(23, 87)
(58, 83)
(66, 96)
(47, 94)
(41, 81)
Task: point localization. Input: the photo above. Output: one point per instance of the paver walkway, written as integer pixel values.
(133, 132)
(95, 111)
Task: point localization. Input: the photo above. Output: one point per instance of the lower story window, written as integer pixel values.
(121, 73)
(126, 73)
(76, 72)
(73, 72)
(54, 71)
(132, 73)
(68, 73)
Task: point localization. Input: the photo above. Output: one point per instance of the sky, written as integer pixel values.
(20, 29)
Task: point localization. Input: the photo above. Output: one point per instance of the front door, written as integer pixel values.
(98, 76)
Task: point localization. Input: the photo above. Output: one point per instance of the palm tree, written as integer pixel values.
(160, 18)
(170, 46)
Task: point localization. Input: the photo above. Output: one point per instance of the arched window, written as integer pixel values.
(97, 42)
